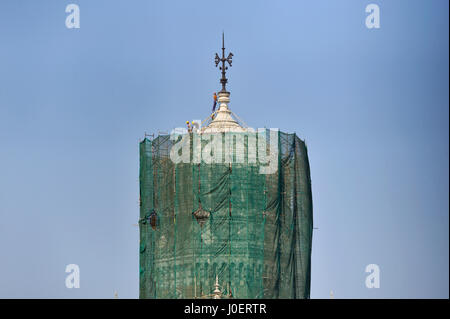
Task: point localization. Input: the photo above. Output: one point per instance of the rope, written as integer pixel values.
(239, 119)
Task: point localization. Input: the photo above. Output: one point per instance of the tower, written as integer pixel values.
(225, 203)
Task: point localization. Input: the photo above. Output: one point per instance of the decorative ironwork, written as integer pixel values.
(201, 215)
(223, 68)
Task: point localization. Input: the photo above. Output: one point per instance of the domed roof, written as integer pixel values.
(223, 120)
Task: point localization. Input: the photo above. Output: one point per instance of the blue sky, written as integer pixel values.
(372, 105)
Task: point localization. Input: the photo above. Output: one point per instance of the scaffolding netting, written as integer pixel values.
(205, 222)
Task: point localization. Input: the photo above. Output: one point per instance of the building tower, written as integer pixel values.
(226, 206)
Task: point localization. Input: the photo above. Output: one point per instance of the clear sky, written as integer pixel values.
(372, 105)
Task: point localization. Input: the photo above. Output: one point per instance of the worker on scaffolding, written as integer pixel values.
(214, 105)
(189, 127)
(215, 102)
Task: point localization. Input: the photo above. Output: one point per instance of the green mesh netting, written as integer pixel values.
(225, 222)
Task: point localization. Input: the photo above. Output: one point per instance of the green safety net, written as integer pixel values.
(224, 227)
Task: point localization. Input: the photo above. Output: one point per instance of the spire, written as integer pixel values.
(217, 292)
(223, 67)
(223, 121)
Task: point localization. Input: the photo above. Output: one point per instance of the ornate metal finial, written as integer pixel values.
(224, 68)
